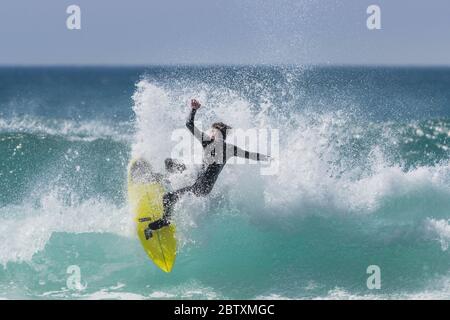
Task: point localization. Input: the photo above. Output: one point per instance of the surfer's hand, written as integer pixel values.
(195, 104)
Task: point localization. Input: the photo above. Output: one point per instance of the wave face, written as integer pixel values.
(364, 179)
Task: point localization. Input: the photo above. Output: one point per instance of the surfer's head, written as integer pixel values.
(141, 171)
(219, 131)
(174, 166)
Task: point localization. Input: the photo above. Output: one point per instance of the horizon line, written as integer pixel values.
(154, 65)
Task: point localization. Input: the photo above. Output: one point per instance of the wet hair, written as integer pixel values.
(173, 166)
(222, 127)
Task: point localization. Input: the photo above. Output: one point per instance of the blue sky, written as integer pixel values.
(414, 32)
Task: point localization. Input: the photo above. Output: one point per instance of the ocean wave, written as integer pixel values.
(434, 290)
(441, 229)
(72, 130)
(120, 291)
(329, 166)
(329, 162)
(427, 294)
(26, 229)
(347, 189)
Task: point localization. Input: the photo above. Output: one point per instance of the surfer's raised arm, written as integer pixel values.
(201, 136)
(241, 153)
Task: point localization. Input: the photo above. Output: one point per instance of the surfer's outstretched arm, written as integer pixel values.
(200, 135)
(241, 153)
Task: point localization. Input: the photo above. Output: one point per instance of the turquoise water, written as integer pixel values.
(364, 179)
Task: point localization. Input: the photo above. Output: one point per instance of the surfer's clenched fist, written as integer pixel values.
(195, 104)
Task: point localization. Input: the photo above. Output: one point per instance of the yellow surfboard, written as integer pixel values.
(145, 199)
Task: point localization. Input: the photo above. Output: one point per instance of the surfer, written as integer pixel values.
(216, 152)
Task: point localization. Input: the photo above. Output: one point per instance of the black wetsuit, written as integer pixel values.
(215, 156)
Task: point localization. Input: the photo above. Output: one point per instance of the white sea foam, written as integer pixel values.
(86, 130)
(435, 290)
(25, 229)
(313, 175)
(189, 290)
(441, 229)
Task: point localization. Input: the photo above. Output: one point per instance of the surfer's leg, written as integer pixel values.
(169, 200)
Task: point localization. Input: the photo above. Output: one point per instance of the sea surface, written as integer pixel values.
(363, 180)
